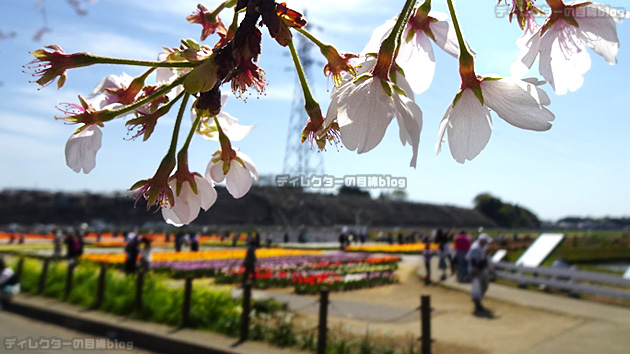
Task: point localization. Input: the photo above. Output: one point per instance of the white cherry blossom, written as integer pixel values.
(561, 46)
(468, 123)
(364, 108)
(238, 178)
(188, 203)
(229, 125)
(416, 55)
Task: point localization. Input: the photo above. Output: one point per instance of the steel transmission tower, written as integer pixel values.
(301, 159)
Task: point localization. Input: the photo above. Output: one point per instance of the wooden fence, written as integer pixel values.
(571, 280)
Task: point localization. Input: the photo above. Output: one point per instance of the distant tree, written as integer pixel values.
(350, 190)
(506, 215)
(397, 194)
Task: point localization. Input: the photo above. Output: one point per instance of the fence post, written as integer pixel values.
(247, 296)
(69, 279)
(19, 269)
(323, 315)
(100, 289)
(139, 286)
(186, 305)
(44, 276)
(425, 323)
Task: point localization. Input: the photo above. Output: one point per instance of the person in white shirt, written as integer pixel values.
(479, 271)
(9, 284)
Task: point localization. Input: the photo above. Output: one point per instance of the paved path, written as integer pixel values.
(17, 329)
(606, 328)
(122, 326)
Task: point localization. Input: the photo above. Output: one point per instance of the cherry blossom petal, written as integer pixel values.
(409, 117)
(445, 36)
(214, 171)
(518, 103)
(365, 111)
(600, 34)
(111, 82)
(186, 208)
(468, 125)
(238, 180)
(207, 193)
(331, 113)
(530, 45)
(82, 147)
(377, 37)
(564, 58)
(171, 217)
(164, 74)
(418, 62)
(231, 128)
(249, 164)
(442, 131)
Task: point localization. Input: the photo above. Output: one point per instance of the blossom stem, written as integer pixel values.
(465, 58)
(182, 155)
(191, 133)
(234, 24)
(222, 6)
(226, 146)
(156, 64)
(309, 101)
(312, 38)
(389, 46)
(158, 93)
(178, 122)
(425, 8)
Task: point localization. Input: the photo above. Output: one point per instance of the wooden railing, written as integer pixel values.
(571, 280)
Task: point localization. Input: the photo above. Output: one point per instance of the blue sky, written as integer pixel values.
(579, 167)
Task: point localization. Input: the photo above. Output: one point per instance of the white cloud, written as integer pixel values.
(115, 45)
(29, 99)
(16, 147)
(29, 125)
(180, 8)
(278, 93)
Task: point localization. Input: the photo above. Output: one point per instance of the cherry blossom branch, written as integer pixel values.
(95, 59)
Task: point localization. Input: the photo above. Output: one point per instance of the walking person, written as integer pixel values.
(179, 241)
(462, 246)
(57, 244)
(343, 238)
(132, 249)
(427, 259)
(441, 239)
(194, 243)
(9, 284)
(250, 262)
(145, 254)
(479, 270)
(74, 247)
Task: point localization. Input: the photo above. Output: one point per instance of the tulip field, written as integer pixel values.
(409, 248)
(305, 270)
